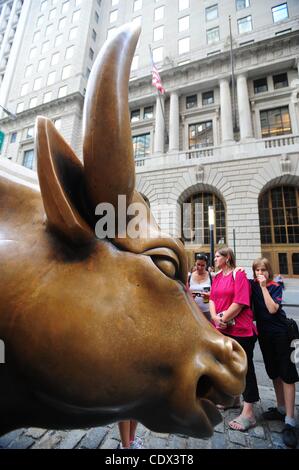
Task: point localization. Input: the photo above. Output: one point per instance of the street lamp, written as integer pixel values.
(211, 214)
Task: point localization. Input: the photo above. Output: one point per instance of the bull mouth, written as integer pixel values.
(208, 396)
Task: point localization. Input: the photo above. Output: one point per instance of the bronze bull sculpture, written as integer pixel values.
(101, 330)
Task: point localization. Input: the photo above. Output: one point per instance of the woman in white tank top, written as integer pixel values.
(200, 285)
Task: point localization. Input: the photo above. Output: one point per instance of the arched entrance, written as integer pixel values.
(279, 226)
(195, 223)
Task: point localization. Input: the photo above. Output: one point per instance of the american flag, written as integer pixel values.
(156, 81)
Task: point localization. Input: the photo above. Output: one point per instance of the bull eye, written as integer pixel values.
(166, 266)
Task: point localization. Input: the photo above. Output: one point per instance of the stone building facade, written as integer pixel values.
(225, 133)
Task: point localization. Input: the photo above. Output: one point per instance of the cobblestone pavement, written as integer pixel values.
(266, 435)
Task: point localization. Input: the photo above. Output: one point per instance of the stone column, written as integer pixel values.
(226, 111)
(159, 126)
(245, 121)
(174, 122)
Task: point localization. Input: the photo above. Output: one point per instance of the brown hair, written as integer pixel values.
(228, 252)
(257, 262)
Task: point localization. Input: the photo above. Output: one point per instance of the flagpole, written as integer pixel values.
(159, 96)
(233, 76)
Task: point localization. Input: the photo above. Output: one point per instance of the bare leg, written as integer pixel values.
(133, 426)
(279, 391)
(289, 397)
(124, 431)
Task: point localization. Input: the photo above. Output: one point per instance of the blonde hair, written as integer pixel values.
(228, 252)
(262, 261)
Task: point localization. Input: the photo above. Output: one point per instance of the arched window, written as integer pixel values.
(279, 215)
(195, 219)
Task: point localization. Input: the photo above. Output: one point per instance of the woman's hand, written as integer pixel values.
(262, 280)
(219, 322)
(206, 295)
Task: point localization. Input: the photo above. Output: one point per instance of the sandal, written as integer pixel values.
(245, 423)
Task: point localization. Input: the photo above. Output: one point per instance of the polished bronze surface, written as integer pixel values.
(97, 331)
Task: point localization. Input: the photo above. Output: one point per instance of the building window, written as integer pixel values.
(49, 29)
(33, 102)
(96, 17)
(213, 35)
(69, 52)
(87, 73)
(36, 36)
(45, 46)
(51, 78)
(184, 45)
(58, 40)
(43, 5)
(275, 122)
(135, 115)
(184, 23)
(280, 80)
(94, 35)
(73, 33)
(76, 16)
(91, 53)
(260, 85)
(47, 97)
(39, 22)
(183, 5)
(55, 58)
(78, 2)
(159, 13)
(195, 219)
(66, 72)
(52, 14)
(28, 159)
(279, 215)
(141, 145)
(200, 135)
(191, 101)
(37, 84)
(65, 7)
(41, 65)
(137, 5)
(240, 4)
(62, 91)
(158, 33)
(24, 89)
(280, 12)
(207, 98)
(32, 53)
(113, 16)
(30, 132)
(62, 23)
(20, 107)
(245, 24)
(137, 22)
(28, 71)
(114, 2)
(13, 137)
(158, 54)
(212, 13)
(148, 112)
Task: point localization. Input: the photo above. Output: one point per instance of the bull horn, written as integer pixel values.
(107, 142)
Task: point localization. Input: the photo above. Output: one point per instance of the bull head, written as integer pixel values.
(101, 330)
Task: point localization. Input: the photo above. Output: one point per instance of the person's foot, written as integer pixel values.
(289, 436)
(137, 443)
(242, 423)
(273, 415)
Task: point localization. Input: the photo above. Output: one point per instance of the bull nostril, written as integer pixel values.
(204, 386)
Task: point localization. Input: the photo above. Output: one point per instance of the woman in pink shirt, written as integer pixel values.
(232, 315)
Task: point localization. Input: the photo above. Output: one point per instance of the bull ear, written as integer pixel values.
(108, 150)
(61, 180)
